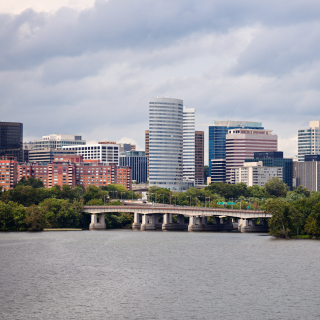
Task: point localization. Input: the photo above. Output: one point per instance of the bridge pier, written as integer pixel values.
(137, 221)
(197, 223)
(168, 225)
(247, 225)
(95, 225)
(148, 222)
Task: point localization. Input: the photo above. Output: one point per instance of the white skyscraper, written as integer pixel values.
(188, 144)
(166, 143)
(309, 140)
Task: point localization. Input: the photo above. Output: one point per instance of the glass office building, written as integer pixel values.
(166, 143)
(11, 140)
(138, 162)
(275, 159)
(217, 137)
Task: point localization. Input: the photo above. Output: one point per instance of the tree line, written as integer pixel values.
(30, 206)
(295, 213)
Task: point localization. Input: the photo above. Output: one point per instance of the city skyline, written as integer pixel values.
(77, 66)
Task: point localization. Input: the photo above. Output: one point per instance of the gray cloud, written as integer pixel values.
(30, 38)
(91, 72)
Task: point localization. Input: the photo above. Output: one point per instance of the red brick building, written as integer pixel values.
(65, 172)
(8, 175)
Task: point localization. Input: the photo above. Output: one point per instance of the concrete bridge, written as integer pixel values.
(150, 217)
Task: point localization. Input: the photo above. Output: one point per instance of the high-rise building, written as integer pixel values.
(307, 173)
(241, 144)
(11, 140)
(217, 137)
(105, 153)
(146, 146)
(254, 174)
(218, 170)
(189, 145)
(309, 140)
(138, 161)
(199, 158)
(57, 141)
(166, 143)
(275, 159)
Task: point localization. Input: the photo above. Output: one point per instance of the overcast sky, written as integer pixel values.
(89, 68)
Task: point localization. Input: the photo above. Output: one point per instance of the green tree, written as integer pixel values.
(31, 181)
(312, 226)
(276, 187)
(35, 218)
(279, 222)
(303, 190)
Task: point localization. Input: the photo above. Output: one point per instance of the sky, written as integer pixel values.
(89, 67)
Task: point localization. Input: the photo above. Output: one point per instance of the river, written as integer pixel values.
(125, 274)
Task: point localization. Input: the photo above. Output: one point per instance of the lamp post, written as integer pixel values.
(232, 202)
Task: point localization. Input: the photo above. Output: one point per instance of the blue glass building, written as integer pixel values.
(217, 137)
(138, 162)
(275, 159)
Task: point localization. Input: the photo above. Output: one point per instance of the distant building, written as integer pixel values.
(218, 170)
(241, 144)
(217, 136)
(57, 141)
(307, 173)
(65, 172)
(189, 145)
(166, 143)
(309, 140)
(275, 159)
(125, 147)
(11, 140)
(254, 174)
(138, 162)
(199, 158)
(9, 172)
(27, 147)
(47, 155)
(146, 143)
(105, 153)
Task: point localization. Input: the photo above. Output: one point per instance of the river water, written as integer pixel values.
(125, 274)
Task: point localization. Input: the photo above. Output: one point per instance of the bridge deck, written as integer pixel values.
(185, 210)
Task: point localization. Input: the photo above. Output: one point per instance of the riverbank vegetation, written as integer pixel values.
(30, 206)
